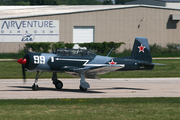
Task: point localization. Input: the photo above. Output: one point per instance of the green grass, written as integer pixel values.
(12, 70)
(21, 55)
(91, 109)
(11, 55)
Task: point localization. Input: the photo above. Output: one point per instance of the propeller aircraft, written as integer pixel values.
(85, 63)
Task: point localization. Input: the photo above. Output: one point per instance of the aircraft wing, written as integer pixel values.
(104, 69)
(91, 71)
(92, 76)
(100, 69)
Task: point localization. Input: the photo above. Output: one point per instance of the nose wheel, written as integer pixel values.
(35, 87)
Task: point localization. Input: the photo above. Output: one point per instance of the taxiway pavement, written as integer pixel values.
(104, 88)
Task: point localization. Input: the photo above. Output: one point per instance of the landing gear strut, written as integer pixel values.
(58, 84)
(83, 84)
(35, 86)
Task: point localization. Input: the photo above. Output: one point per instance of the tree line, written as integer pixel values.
(61, 2)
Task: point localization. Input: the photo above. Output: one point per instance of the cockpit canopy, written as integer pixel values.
(74, 52)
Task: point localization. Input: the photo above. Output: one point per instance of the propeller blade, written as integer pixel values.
(22, 61)
(24, 73)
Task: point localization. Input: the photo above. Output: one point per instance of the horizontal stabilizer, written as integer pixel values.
(157, 64)
(151, 64)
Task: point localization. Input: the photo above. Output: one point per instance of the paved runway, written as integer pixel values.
(104, 88)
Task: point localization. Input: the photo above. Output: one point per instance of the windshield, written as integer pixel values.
(74, 52)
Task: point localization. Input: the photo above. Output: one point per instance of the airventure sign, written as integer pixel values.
(29, 31)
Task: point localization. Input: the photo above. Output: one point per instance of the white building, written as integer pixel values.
(87, 23)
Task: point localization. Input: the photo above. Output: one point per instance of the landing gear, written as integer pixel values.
(83, 84)
(35, 86)
(82, 89)
(58, 84)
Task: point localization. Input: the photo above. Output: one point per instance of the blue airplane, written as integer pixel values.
(85, 63)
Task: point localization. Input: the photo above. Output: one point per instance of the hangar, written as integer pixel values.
(77, 24)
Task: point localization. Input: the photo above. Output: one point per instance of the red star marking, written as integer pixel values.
(112, 62)
(141, 48)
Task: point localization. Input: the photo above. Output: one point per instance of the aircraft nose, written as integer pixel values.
(22, 61)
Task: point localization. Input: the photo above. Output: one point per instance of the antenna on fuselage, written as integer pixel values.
(110, 52)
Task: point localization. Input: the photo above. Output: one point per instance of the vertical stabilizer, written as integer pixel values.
(141, 50)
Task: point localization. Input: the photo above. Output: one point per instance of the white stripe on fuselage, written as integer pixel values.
(85, 64)
(86, 61)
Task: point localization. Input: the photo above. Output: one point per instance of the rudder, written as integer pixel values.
(141, 50)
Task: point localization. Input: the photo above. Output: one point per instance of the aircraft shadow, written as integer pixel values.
(25, 88)
(52, 89)
(128, 88)
(120, 88)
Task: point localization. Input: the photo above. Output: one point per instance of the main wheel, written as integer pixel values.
(35, 87)
(82, 89)
(58, 85)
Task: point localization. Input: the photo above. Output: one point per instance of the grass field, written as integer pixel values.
(91, 109)
(12, 70)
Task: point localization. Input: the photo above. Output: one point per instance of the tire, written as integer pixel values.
(35, 87)
(82, 89)
(59, 85)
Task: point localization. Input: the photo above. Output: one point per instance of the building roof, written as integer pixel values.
(25, 11)
(7, 12)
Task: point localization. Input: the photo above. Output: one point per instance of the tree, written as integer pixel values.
(84, 2)
(43, 2)
(107, 2)
(122, 1)
(72, 2)
(14, 2)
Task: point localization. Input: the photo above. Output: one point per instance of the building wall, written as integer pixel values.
(118, 25)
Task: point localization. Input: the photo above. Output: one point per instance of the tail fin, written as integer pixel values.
(141, 50)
